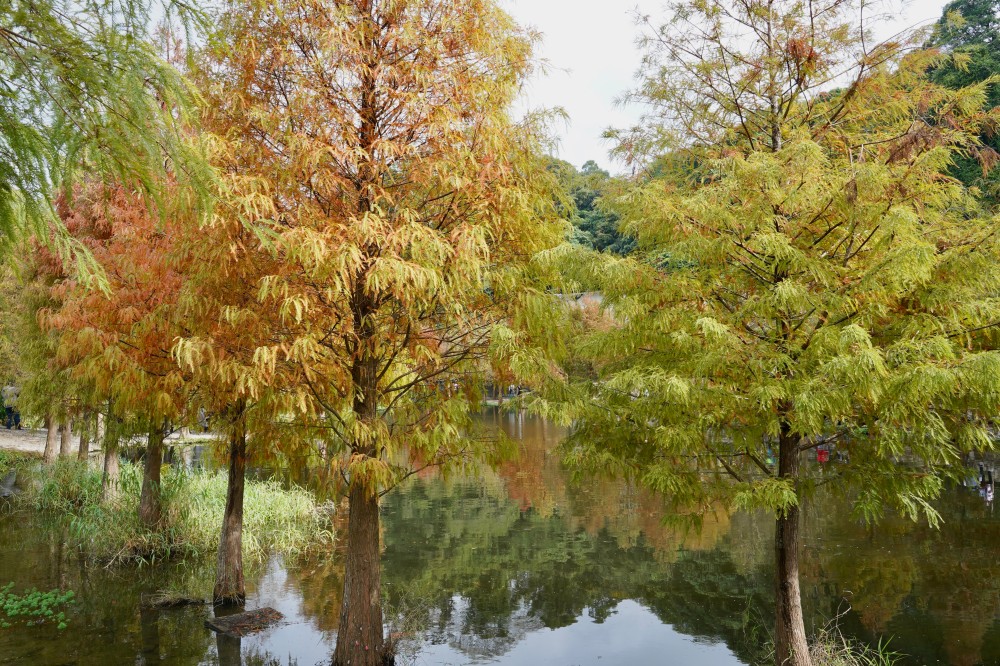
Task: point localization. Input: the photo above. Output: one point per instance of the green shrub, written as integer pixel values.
(275, 519)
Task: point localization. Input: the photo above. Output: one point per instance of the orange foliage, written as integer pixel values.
(120, 337)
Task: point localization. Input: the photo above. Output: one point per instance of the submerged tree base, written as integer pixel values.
(388, 659)
(244, 624)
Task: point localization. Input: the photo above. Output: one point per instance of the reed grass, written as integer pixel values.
(831, 648)
(278, 519)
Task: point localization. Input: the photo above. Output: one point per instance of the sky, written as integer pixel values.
(590, 49)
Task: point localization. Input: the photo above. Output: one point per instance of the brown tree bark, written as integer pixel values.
(51, 449)
(360, 640)
(83, 450)
(229, 584)
(791, 646)
(109, 480)
(150, 507)
(66, 438)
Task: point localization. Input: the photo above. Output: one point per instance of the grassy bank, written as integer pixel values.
(276, 519)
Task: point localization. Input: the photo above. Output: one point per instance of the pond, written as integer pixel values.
(524, 566)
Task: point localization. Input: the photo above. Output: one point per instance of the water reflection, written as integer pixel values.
(107, 625)
(523, 566)
(936, 591)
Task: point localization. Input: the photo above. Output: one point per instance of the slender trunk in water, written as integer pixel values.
(791, 647)
(66, 438)
(229, 586)
(360, 640)
(109, 481)
(150, 509)
(86, 423)
(51, 433)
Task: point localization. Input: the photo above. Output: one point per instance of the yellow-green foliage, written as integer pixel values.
(276, 519)
(395, 202)
(806, 270)
(11, 460)
(63, 63)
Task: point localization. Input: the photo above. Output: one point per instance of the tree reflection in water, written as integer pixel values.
(485, 566)
(496, 558)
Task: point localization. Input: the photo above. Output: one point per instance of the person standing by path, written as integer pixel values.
(12, 417)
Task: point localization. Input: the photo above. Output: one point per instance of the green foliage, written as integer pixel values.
(595, 223)
(84, 90)
(276, 519)
(967, 32)
(65, 486)
(34, 606)
(967, 22)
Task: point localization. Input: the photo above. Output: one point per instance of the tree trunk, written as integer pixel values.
(66, 438)
(791, 647)
(86, 423)
(150, 509)
(229, 585)
(50, 440)
(360, 640)
(109, 481)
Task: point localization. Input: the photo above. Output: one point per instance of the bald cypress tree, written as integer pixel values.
(372, 144)
(809, 276)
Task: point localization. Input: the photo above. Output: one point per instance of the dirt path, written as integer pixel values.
(27, 441)
(33, 441)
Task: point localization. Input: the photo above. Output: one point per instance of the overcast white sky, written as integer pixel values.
(590, 45)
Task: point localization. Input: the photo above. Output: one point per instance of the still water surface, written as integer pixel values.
(523, 567)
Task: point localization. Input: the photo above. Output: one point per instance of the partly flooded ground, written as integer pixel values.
(524, 567)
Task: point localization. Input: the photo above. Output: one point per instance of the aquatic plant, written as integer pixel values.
(33, 606)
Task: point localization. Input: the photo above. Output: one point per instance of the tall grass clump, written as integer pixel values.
(64, 486)
(276, 519)
(11, 460)
(831, 648)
